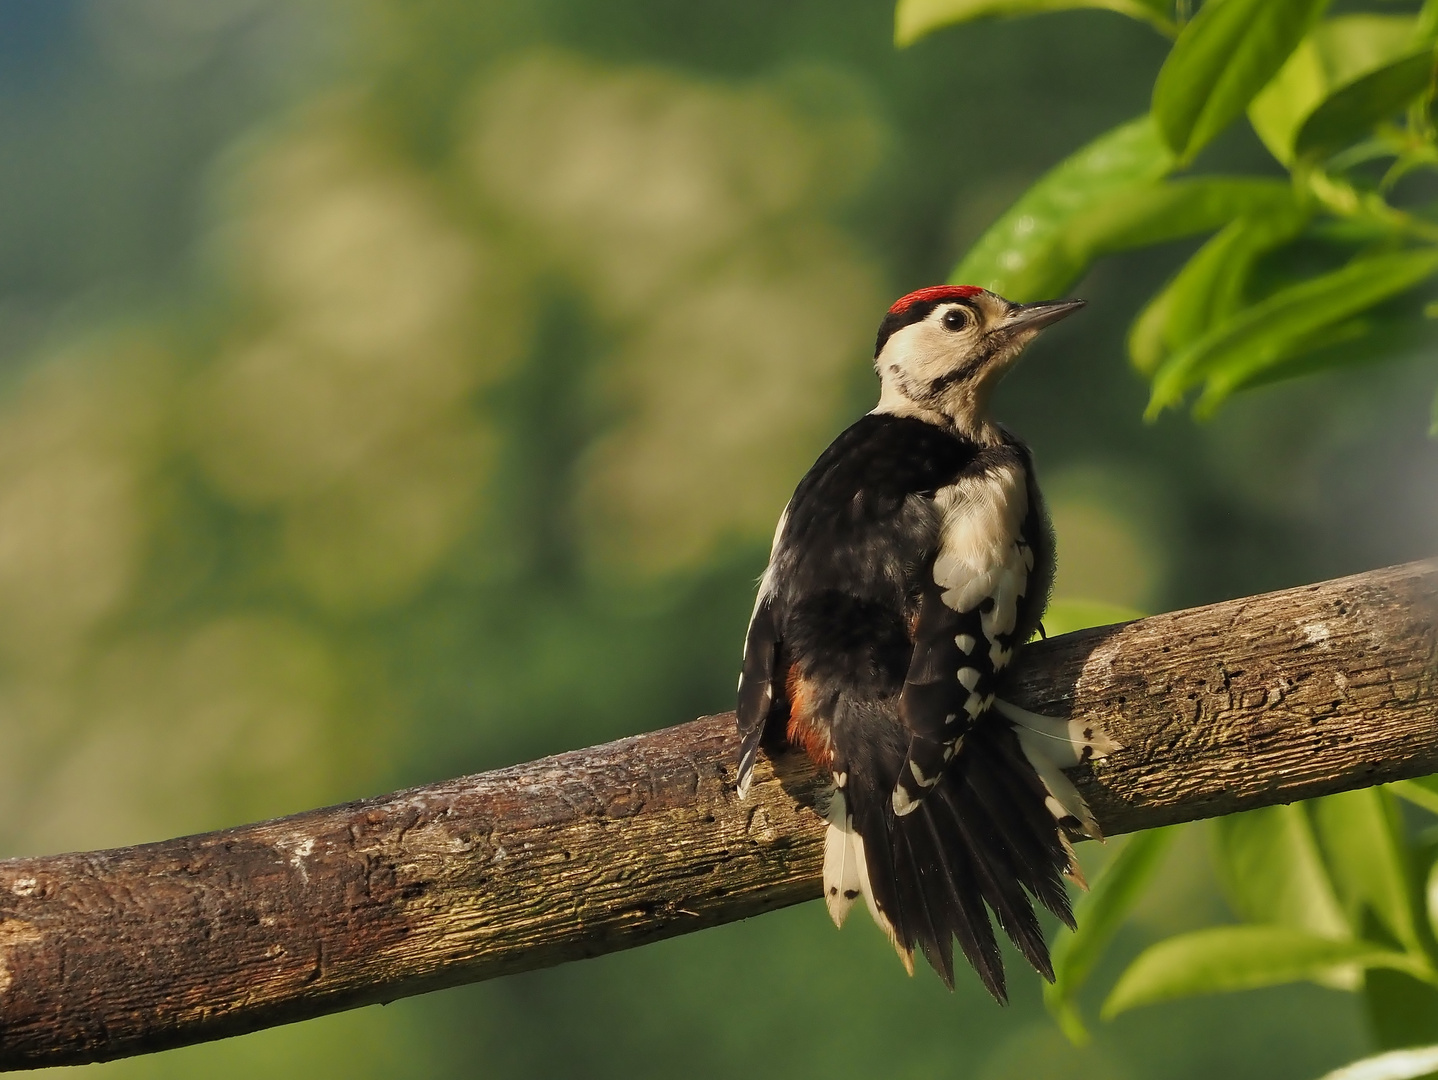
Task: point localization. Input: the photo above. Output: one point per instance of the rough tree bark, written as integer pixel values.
(1242, 704)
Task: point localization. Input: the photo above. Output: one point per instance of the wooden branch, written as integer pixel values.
(1242, 704)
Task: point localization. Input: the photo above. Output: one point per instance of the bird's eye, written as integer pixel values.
(956, 319)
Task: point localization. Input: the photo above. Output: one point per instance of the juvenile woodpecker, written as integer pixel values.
(912, 563)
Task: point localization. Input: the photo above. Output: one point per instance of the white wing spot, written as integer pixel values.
(968, 677)
(966, 643)
(902, 803)
(919, 778)
(1002, 618)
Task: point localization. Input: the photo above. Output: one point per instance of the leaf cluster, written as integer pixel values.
(1335, 891)
(1321, 267)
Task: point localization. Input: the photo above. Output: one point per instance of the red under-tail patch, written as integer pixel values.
(936, 294)
(805, 730)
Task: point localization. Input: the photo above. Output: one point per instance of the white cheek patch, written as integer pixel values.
(924, 351)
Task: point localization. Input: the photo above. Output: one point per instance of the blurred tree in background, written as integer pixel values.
(400, 390)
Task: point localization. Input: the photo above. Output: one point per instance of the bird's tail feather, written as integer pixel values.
(843, 859)
(990, 837)
(1052, 745)
(847, 863)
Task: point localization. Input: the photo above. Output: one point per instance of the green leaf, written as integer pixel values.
(1099, 913)
(1421, 792)
(914, 19)
(1272, 871)
(1269, 864)
(1280, 108)
(1348, 344)
(1210, 286)
(1022, 255)
(1364, 847)
(1149, 338)
(1391, 331)
(1220, 61)
(1430, 897)
(1266, 333)
(1353, 110)
(1409, 1064)
(1222, 959)
(1402, 1010)
(1337, 52)
(1153, 213)
(1158, 213)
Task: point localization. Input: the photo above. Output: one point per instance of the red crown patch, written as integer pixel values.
(934, 294)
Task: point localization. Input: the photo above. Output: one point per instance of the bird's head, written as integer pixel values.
(942, 350)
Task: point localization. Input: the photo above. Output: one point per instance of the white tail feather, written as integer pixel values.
(846, 874)
(1070, 742)
(746, 777)
(1064, 799)
(842, 884)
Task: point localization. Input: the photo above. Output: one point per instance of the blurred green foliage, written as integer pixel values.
(397, 390)
(1337, 891)
(1298, 275)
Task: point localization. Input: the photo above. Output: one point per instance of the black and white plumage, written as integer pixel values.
(914, 559)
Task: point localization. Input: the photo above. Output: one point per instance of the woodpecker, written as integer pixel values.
(911, 565)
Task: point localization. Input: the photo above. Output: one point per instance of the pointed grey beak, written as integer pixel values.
(1037, 316)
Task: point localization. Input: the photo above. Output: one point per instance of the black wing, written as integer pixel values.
(969, 621)
(756, 686)
(848, 531)
(947, 688)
